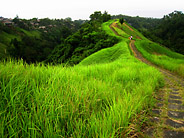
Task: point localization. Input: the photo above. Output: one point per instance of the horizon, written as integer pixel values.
(89, 15)
(82, 9)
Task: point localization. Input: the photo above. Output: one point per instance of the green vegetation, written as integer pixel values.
(161, 56)
(170, 32)
(102, 96)
(121, 20)
(97, 100)
(33, 40)
(2, 51)
(89, 39)
(107, 55)
(139, 23)
(167, 31)
(155, 53)
(31, 33)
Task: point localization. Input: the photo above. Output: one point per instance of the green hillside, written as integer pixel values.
(162, 56)
(33, 40)
(80, 101)
(152, 51)
(6, 39)
(103, 96)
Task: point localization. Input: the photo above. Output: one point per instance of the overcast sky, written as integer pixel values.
(82, 9)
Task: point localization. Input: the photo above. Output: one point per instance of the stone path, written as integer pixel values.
(167, 118)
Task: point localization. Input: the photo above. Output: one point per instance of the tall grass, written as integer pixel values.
(161, 56)
(87, 100)
(107, 55)
(83, 101)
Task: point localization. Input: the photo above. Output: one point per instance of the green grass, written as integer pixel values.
(82, 101)
(3, 51)
(161, 56)
(121, 32)
(88, 100)
(31, 33)
(155, 53)
(136, 34)
(107, 55)
(105, 27)
(6, 38)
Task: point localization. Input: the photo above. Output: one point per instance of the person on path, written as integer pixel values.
(131, 37)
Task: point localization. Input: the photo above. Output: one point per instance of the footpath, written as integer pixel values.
(167, 117)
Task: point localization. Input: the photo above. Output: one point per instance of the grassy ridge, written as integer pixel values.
(97, 100)
(155, 53)
(129, 30)
(119, 51)
(161, 56)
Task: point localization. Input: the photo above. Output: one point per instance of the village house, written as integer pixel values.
(6, 21)
(1, 18)
(42, 27)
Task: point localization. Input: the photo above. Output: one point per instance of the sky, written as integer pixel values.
(82, 9)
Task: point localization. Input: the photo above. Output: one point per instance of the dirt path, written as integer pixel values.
(114, 25)
(128, 27)
(167, 118)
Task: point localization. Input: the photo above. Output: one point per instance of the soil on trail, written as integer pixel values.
(167, 118)
(128, 27)
(114, 25)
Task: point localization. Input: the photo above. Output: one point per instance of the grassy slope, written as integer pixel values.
(31, 33)
(161, 56)
(2, 50)
(99, 100)
(6, 39)
(154, 52)
(108, 55)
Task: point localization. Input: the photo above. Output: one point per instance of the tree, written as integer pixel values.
(106, 16)
(97, 16)
(121, 20)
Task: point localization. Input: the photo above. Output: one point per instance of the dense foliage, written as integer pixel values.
(89, 39)
(139, 23)
(56, 41)
(33, 40)
(168, 31)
